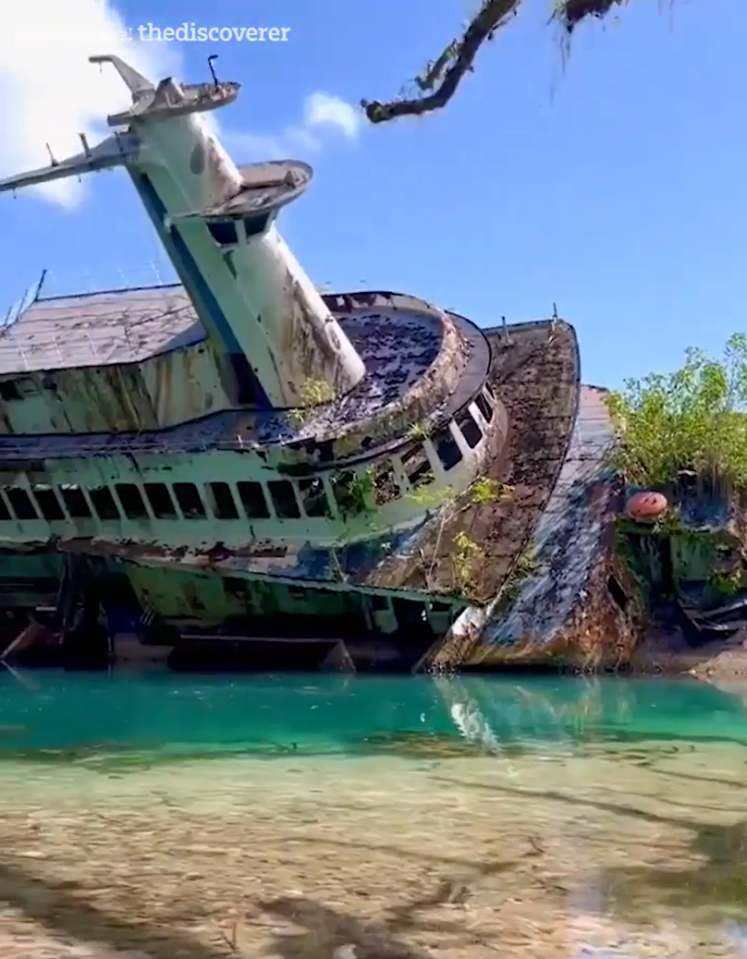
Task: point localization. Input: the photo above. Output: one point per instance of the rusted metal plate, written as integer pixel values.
(571, 550)
(178, 385)
(569, 535)
(351, 565)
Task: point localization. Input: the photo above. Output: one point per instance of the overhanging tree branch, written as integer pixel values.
(460, 54)
(440, 79)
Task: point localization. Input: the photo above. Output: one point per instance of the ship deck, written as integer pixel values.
(99, 329)
(399, 338)
(535, 371)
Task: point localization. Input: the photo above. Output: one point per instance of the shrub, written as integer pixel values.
(693, 419)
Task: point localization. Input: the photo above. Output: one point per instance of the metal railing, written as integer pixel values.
(20, 306)
(156, 273)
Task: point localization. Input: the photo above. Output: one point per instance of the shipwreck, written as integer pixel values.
(238, 469)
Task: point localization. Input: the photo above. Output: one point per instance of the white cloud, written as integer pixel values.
(323, 113)
(323, 110)
(49, 92)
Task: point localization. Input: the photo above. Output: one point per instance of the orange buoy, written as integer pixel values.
(647, 507)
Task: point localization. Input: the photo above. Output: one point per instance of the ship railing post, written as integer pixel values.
(92, 346)
(40, 284)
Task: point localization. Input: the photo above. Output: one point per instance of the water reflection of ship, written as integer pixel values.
(412, 718)
(593, 713)
(495, 715)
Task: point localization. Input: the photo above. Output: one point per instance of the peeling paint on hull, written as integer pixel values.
(563, 613)
(561, 511)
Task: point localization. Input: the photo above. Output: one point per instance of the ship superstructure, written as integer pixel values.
(257, 459)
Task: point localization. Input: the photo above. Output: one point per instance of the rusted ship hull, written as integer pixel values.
(545, 590)
(376, 481)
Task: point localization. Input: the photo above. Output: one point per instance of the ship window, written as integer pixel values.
(470, 430)
(484, 407)
(131, 500)
(350, 492)
(314, 497)
(447, 449)
(386, 487)
(253, 500)
(417, 467)
(223, 232)
(223, 503)
(47, 501)
(9, 391)
(26, 386)
(20, 503)
(254, 225)
(160, 500)
(4, 511)
(189, 500)
(284, 499)
(103, 502)
(75, 502)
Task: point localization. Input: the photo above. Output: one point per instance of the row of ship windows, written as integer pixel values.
(289, 499)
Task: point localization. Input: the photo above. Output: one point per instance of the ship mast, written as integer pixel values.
(282, 346)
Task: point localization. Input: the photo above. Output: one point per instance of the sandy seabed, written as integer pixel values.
(626, 853)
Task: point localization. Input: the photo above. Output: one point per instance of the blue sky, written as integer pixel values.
(613, 186)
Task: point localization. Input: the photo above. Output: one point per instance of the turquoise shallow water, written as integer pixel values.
(165, 713)
(292, 817)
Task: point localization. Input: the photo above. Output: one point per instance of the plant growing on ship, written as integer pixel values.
(467, 558)
(354, 492)
(313, 393)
